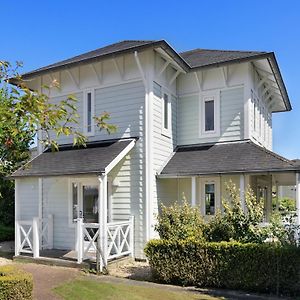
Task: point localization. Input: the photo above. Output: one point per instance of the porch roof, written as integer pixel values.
(95, 158)
(221, 158)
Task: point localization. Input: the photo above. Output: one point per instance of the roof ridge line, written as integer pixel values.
(221, 50)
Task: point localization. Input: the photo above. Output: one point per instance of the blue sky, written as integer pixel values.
(43, 32)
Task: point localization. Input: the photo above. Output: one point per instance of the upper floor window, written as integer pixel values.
(166, 108)
(157, 90)
(166, 111)
(210, 107)
(88, 110)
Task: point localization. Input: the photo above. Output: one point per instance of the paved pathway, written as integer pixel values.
(45, 278)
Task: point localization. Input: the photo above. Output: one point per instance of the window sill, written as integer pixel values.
(166, 134)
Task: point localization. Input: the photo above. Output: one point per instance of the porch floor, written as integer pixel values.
(56, 257)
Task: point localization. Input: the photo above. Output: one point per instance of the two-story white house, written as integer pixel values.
(187, 124)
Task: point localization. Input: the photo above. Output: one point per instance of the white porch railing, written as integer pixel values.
(120, 239)
(113, 240)
(33, 235)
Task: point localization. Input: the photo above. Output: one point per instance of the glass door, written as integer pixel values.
(89, 203)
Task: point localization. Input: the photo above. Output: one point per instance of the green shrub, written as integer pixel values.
(7, 233)
(250, 267)
(15, 284)
(180, 222)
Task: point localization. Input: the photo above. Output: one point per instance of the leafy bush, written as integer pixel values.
(7, 233)
(180, 222)
(242, 224)
(15, 284)
(7, 201)
(251, 267)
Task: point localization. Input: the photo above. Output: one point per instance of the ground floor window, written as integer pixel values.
(209, 195)
(210, 198)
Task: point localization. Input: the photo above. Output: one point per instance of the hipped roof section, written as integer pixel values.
(189, 61)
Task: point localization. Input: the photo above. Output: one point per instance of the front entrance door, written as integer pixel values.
(88, 206)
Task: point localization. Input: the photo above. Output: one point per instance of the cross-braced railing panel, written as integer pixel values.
(24, 230)
(90, 233)
(33, 235)
(104, 241)
(119, 239)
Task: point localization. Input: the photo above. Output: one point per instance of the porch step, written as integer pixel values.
(50, 261)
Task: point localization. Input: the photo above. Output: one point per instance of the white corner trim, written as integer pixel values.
(40, 193)
(119, 157)
(194, 188)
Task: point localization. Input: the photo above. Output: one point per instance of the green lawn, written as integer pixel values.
(91, 289)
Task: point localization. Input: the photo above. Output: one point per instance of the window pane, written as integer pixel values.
(156, 89)
(89, 112)
(166, 112)
(209, 199)
(75, 200)
(209, 115)
(90, 204)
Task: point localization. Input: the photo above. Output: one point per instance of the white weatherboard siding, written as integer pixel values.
(28, 200)
(231, 118)
(124, 103)
(163, 142)
(128, 194)
(56, 202)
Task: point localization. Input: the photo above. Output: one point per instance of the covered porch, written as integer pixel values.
(199, 174)
(64, 204)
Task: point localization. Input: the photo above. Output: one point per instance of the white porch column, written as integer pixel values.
(102, 219)
(277, 197)
(242, 191)
(79, 242)
(269, 199)
(298, 197)
(193, 200)
(35, 237)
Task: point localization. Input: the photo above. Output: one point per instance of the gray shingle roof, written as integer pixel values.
(222, 158)
(188, 61)
(100, 52)
(204, 57)
(92, 159)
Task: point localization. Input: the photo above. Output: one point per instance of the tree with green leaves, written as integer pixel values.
(25, 113)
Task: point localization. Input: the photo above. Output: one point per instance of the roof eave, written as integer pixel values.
(161, 43)
(175, 175)
(270, 56)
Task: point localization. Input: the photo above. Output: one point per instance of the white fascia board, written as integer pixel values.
(120, 156)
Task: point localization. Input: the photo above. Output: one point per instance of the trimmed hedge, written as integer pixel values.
(15, 284)
(250, 267)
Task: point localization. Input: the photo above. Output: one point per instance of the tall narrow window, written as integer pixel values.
(209, 198)
(210, 114)
(166, 111)
(209, 111)
(89, 112)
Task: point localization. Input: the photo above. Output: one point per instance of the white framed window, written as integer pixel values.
(89, 112)
(210, 195)
(166, 108)
(210, 114)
